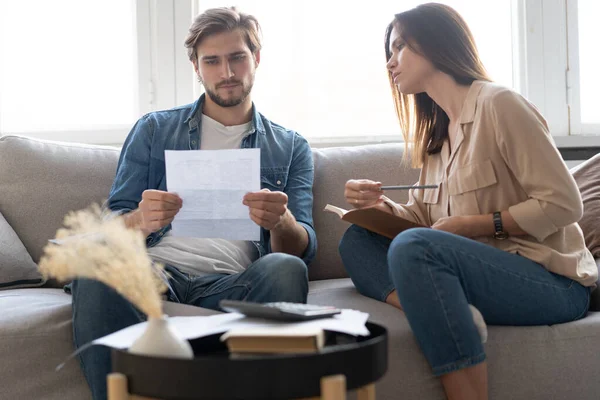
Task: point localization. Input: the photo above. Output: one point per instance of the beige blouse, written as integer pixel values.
(504, 158)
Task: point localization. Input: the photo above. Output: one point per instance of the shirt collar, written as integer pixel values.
(467, 113)
(193, 117)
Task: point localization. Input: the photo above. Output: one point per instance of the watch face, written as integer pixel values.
(500, 235)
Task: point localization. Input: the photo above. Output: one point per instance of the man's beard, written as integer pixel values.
(231, 102)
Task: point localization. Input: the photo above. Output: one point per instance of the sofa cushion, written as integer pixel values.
(41, 181)
(17, 269)
(587, 176)
(595, 297)
(333, 167)
(534, 362)
(36, 336)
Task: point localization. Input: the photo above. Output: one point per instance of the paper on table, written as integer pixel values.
(349, 321)
(212, 184)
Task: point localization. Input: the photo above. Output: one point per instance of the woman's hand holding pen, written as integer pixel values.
(360, 193)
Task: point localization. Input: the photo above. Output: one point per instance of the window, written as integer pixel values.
(83, 70)
(589, 59)
(322, 69)
(68, 66)
(583, 64)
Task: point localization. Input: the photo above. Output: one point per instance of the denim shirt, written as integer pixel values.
(285, 159)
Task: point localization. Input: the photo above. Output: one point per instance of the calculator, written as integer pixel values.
(282, 311)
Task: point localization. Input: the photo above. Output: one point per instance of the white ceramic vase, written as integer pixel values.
(160, 340)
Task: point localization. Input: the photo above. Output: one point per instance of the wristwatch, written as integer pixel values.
(500, 234)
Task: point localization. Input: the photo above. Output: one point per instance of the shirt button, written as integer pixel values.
(193, 142)
(279, 182)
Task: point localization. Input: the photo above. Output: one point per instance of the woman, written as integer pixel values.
(505, 237)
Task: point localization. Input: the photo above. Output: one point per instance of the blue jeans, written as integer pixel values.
(98, 310)
(438, 274)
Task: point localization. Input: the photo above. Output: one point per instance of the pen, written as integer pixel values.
(408, 187)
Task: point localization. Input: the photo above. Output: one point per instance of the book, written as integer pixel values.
(374, 219)
(278, 339)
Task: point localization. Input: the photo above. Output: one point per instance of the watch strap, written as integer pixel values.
(498, 222)
(499, 233)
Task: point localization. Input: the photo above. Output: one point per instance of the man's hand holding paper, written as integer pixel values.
(267, 208)
(156, 210)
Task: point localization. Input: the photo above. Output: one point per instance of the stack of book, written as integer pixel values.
(274, 339)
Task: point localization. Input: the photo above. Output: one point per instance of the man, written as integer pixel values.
(224, 47)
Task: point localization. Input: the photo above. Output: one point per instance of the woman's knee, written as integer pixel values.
(411, 242)
(358, 244)
(407, 252)
(352, 240)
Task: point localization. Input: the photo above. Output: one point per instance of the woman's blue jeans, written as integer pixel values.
(438, 274)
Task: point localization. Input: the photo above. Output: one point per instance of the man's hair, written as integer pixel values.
(219, 20)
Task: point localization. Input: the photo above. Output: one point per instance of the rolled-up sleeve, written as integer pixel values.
(529, 151)
(413, 210)
(299, 190)
(131, 178)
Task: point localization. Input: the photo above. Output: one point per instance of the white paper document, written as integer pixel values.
(212, 184)
(349, 321)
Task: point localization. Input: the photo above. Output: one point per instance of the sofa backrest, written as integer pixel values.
(333, 167)
(41, 181)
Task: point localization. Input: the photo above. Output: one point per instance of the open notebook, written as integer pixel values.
(374, 219)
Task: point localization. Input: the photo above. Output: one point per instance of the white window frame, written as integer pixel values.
(577, 127)
(165, 69)
(171, 70)
(542, 68)
(549, 75)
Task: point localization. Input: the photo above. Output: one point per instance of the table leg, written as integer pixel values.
(366, 392)
(333, 387)
(117, 387)
(116, 384)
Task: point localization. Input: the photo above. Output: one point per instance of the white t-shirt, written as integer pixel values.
(199, 256)
(216, 136)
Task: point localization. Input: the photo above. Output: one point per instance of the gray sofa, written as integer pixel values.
(41, 181)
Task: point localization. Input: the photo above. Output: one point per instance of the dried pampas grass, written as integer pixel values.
(97, 245)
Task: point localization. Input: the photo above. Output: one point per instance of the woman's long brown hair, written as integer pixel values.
(440, 34)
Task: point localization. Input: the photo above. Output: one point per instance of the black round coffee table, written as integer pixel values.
(344, 363)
